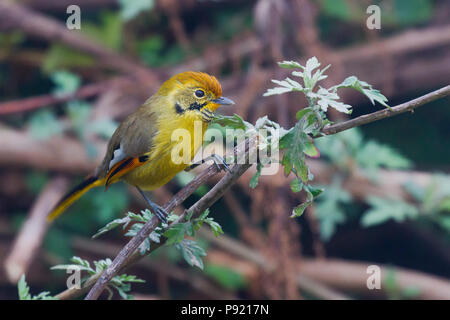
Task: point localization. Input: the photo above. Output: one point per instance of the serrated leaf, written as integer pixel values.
(112, 225)
(365, 88)
(385, 209)
(191, 252)
(175, 234)
(234, 121)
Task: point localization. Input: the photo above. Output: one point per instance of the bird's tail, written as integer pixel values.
(74, 195)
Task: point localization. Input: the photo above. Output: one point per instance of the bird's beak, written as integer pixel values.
(223, 101)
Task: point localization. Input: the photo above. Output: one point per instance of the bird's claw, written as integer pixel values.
(220, 163)
(161, 214)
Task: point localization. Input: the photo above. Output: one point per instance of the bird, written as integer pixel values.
(140, 150)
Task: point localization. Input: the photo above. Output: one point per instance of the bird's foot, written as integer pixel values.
(160, 213)
(220, 162)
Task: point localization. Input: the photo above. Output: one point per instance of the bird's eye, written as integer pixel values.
(199, 93)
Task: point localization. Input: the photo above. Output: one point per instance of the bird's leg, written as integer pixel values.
(157, 210)
(218, 161)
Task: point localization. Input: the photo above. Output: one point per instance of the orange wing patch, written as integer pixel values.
(123, 167)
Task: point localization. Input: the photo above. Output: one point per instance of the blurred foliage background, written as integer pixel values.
(387, 198)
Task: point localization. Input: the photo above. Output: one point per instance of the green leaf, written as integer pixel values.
(233, 122)
(330, 208)
(255, 178)
(108, 31)
(191, 252)
(23, 288)
(363, 87)
(43, 125)
(329, 99)
(310, 149)
(383, 210)
(300, 114)
(112, 225)
(290, 65)
(176, 233)
(24, 292)
(315, 191)
(298, 210)
(375, 155)
(225, 276)
(294, 157)
(286, 85)
(296, 185)
(66, 83)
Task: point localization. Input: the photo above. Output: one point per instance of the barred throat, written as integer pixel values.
(207, 115)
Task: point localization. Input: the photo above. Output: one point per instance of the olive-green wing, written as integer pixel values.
(133, 139)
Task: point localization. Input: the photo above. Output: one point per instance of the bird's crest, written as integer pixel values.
(194, 78)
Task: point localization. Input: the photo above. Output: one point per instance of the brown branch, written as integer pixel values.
(352, 276)
(32, 232)
(304, 282)
(128, 254)
(19, 148)
(49, 99)
(386, 113)
(339, 274)
(200, 206)
(39, 25)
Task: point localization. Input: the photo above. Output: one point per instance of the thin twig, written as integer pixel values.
(386, 113)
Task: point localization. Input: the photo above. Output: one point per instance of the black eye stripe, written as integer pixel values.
(197, 106)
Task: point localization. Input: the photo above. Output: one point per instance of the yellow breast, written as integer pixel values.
(175, 145)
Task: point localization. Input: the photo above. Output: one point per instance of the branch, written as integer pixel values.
(36, 24)
(128, 255)
(33, 230)
(49, 99)
(352, 276)
(200, 206)
(386, 113)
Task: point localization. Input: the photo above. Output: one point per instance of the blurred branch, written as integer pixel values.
(352, 276)
(321, 274)
(13, 15)
(49, 99)
(304, 282)
(57, 153)
(33, 230)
